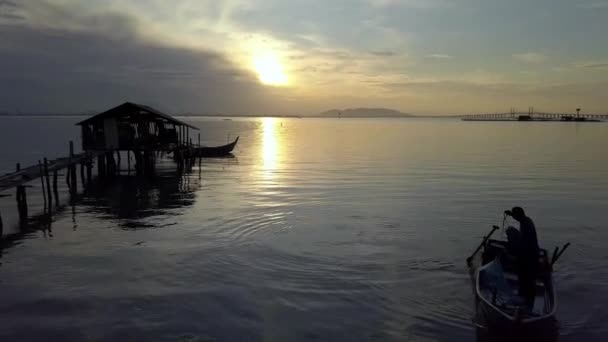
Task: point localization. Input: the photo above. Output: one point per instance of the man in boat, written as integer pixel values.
(524, 244)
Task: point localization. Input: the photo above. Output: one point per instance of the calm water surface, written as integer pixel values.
(317, 230)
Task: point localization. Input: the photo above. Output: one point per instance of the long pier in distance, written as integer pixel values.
(537, 116)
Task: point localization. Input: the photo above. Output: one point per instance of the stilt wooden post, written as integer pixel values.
(55, 191)
(118, 162)
(110, 163)
(82, 179)
(128, 162)
(42, 184)
(22, 205)
(21, 199)
(48, 183)
(73, 175)
(89, 168)
(199, 140)
(101, 165)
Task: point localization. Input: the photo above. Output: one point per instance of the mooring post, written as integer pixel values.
(42, 183)
(48, 183)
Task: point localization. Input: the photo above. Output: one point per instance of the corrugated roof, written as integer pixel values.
(129, 108)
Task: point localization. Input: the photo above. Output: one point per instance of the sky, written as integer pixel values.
(301, 57)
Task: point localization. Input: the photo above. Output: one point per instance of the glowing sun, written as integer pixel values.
(270, 70)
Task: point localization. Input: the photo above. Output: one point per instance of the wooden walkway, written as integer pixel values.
(27, 174)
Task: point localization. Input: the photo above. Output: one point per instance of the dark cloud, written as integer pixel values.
(592, 65)
(7, 3)
(7, 11)
(65, 70)
(384, 53)
(11, 16)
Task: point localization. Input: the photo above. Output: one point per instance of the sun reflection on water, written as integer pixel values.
(270, 146)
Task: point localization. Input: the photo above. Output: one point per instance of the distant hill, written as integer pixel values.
(364, 113)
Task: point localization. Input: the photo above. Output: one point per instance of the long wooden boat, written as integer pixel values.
(496, 289)
(215, 151)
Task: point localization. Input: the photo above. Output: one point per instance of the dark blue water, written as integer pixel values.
(317, 230)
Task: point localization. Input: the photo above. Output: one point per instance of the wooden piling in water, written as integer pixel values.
(22, 205)
(41, 183)
(128, 162)
(48, 183)
(89, 169)
(82, 179)
(55, 190)
(72, 167)
(118, 161)
(101, 166)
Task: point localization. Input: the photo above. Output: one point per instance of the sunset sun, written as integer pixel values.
(270, 70)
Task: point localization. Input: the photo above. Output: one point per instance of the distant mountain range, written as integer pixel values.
(365, 113)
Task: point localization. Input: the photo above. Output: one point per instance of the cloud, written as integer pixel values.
(594, 5)
(384, 53)
(529, 57)
(59, 69)
(592, 65)
(438, 56)
(417, 4)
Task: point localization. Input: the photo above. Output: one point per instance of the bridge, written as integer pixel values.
(536, 116)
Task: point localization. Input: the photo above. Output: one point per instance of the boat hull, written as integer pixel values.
(216, 151)
(487, 288)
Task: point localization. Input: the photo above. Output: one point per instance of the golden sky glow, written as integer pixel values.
(304, 57)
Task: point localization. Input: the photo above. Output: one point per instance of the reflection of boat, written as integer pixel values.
(496, 290)
(217, 151)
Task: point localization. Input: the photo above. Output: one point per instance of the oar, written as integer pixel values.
(494, 228)
(560, 253)
(554, 255)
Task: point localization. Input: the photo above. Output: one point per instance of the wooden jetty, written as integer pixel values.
(537, 116)
(132, 128)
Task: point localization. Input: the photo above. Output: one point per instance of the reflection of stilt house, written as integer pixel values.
(137, 128)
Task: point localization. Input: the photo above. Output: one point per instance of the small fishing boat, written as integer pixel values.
(496, 285)
(215, 151)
